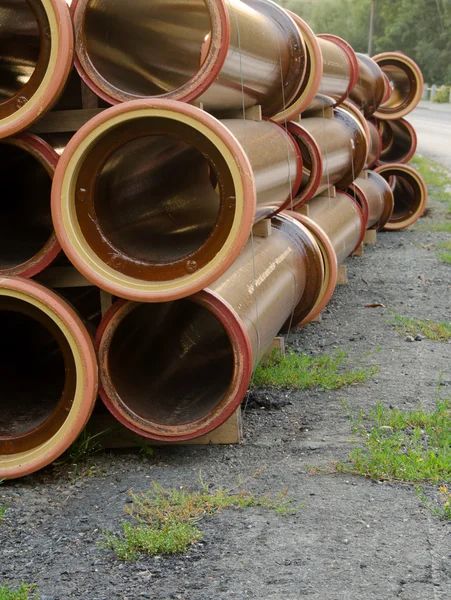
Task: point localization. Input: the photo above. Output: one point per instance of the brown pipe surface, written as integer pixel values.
(48, 370)
(224, 53)
(374, 191)
(339, 76)
(409, 192)
(204, 188)
(175, 371)
(28, 243)
(339, 143)
(405, 81)
(342, 219)
(36, 50)
(375, 147)
(399, 141)
(369, 91)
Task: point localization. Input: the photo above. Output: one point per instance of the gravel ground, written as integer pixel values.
(354, 539)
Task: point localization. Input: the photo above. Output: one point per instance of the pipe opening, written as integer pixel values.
(403, 84)
(169, 363)
(26, 223)
(37, 371)
(144, 48)
(147, 202)
(399, 141)
(407, 195)
(24, 52)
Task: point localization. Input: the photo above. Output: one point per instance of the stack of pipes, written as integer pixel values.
(225, 114)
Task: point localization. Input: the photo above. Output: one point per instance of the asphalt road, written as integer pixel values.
(433, 126)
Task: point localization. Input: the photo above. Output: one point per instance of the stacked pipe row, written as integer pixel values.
(226, 113)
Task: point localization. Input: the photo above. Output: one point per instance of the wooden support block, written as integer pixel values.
(358, 251)
(253, 113)
(370, 237)
(303, 210)
(63, 277)
(65, 121)
(106, 301)
(332, 191)
(118, 436)
(317, 319)
(262, 228)
(364, 174)
(278, 344)
(342, 275)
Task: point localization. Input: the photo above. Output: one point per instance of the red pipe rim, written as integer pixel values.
(206, 75)
(316, 171)
(235, 394)
(47, 156)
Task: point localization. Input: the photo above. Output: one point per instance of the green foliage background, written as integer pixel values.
(419, 28)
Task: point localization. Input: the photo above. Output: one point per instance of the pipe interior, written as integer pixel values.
(146, 48)
(402, 83)
(155, 200)
(397, 141)
(20, 45)
(170, 363)
(26, 223)
(407, 195)
(32, 369)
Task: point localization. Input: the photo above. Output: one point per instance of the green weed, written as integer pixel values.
(445, 255)
(295, 370)
(164, 521)
(25, 592)
(3, 510)
(438, 180)
(409, 326)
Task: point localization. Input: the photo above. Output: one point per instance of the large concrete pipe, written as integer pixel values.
(370, 89)
(406, 83)
(409, 192)
(49, 376)
(376, 145)
(376, 197)
(342, 219)
(36, 50)
(225, 54)
(334, 152)
(28, 243)
(154, 200)
(174, 371)
(399, 141)
(339, 76)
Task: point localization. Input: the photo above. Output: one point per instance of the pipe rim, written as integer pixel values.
(192, 89)
(360, 156)
(398, 224)
(410, 103)
(27, 110)
(20, 464)
(316, 172)
(230, 401)
(356, 191)
(75, 245)
(413, 146)
(363, 221)
(372, 127)
(353, 62)
(357, 114)
(312, 76)
(388, 205)
(48, 158)
(330, 267)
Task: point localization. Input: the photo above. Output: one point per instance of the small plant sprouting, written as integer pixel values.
(24, 592)
(295, 370)
(164, 521)
(3, 510)
(409, 326)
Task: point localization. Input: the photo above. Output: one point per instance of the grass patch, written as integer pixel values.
(408, 326)
(411, 446)
(25, 592)
(438, 180)
(445, 253)
(164, 521)
(76, 456)
(295, 370)
(3, 510)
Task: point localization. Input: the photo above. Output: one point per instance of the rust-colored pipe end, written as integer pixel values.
(399, 141)
(49, 377)
(330, 267)
(103, 66)
(410, 195)
(36, 70)
(312, 77)
(28, 243)
(134, 206)
(312, 163)
(174, 371)
(405, 81)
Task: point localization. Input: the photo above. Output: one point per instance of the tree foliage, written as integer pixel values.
(419, 28)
